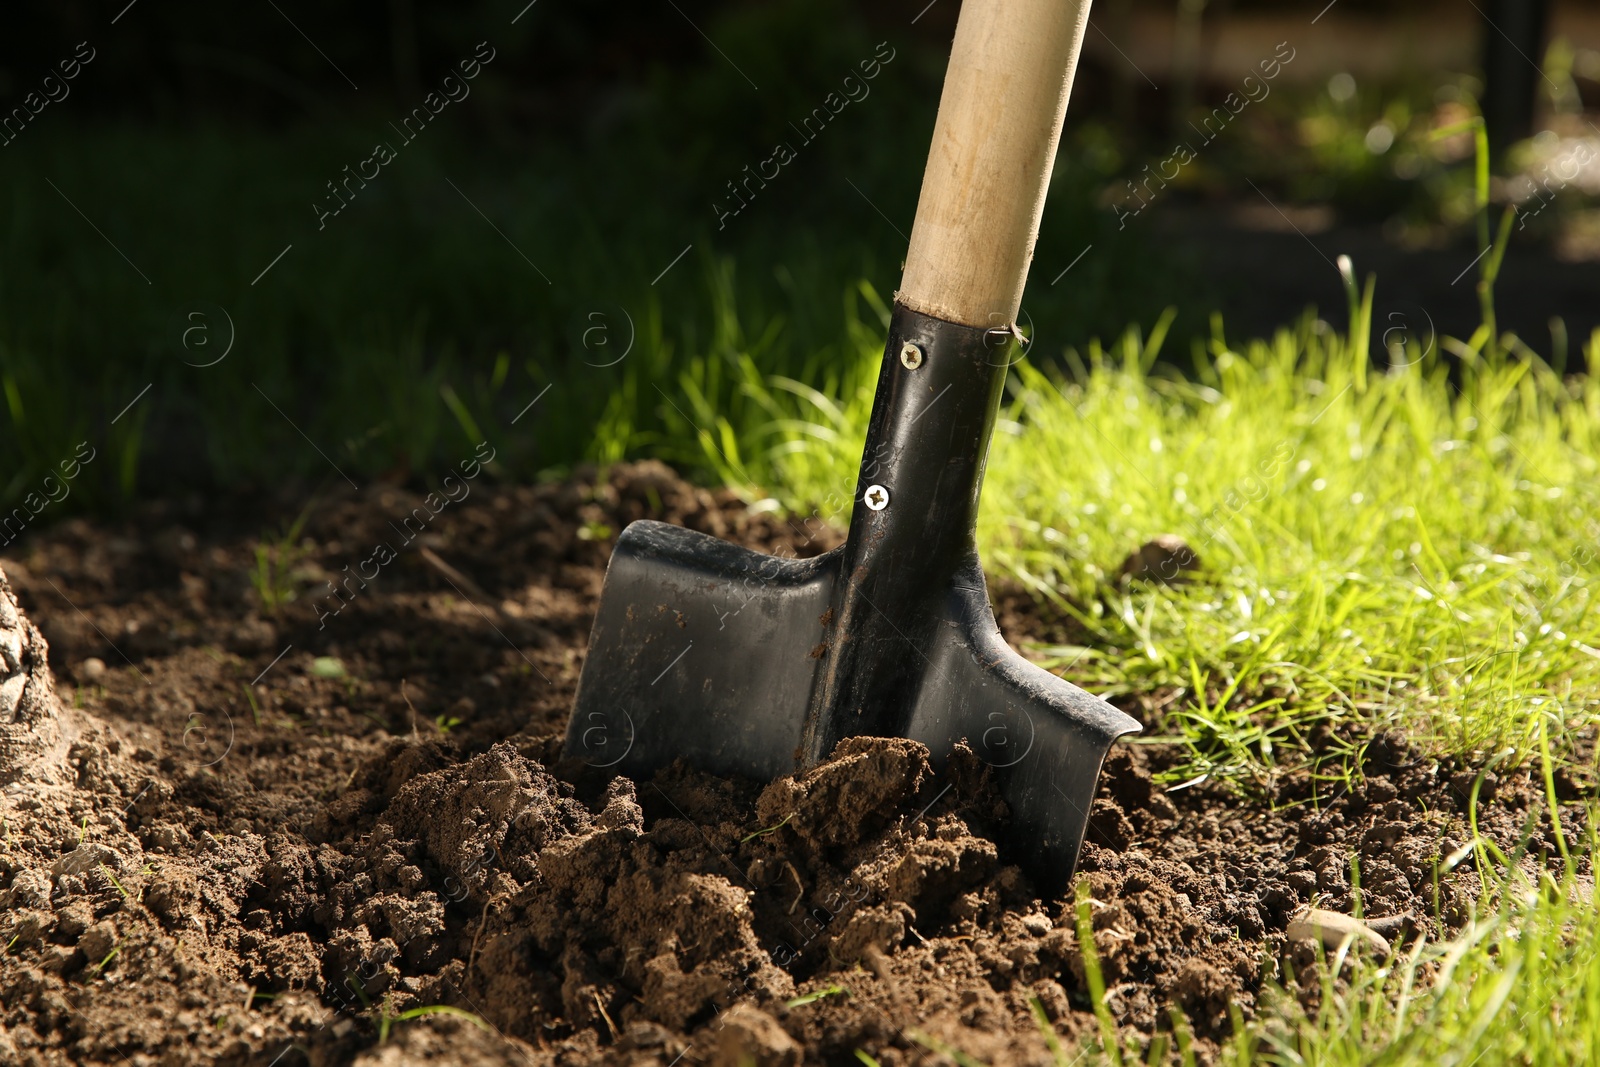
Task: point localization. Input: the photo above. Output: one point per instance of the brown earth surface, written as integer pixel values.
(253, 855)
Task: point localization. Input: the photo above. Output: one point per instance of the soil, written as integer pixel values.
(284, 836)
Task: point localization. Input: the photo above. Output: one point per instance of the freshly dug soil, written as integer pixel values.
(336, 830)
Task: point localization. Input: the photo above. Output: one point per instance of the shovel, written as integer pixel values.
(746, 664)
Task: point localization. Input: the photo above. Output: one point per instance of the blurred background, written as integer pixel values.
(584, 250)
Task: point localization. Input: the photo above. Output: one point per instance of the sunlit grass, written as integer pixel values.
(1403, 548)
(1411, 546)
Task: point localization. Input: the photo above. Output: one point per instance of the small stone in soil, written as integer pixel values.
(1036, 924)
(1332, 928)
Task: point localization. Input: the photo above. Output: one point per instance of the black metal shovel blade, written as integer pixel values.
(708, 651)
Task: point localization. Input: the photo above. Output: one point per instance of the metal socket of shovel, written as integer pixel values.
(746, 664)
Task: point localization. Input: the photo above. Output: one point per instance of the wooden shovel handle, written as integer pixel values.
(1005, 94)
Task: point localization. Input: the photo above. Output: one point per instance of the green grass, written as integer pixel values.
(1109, 1046)
(274, 576)
(386, 1021)
(1401, 549)
(816, 995)
(1411, 547)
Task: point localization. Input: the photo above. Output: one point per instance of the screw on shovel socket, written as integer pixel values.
(745, 664)
(910, 356)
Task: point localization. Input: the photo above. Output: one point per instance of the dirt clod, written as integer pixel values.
(1164, 558)
(750, 1035)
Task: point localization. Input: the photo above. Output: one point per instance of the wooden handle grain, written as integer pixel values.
(1005, 94)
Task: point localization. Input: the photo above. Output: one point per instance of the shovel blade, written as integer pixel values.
(708, 651)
